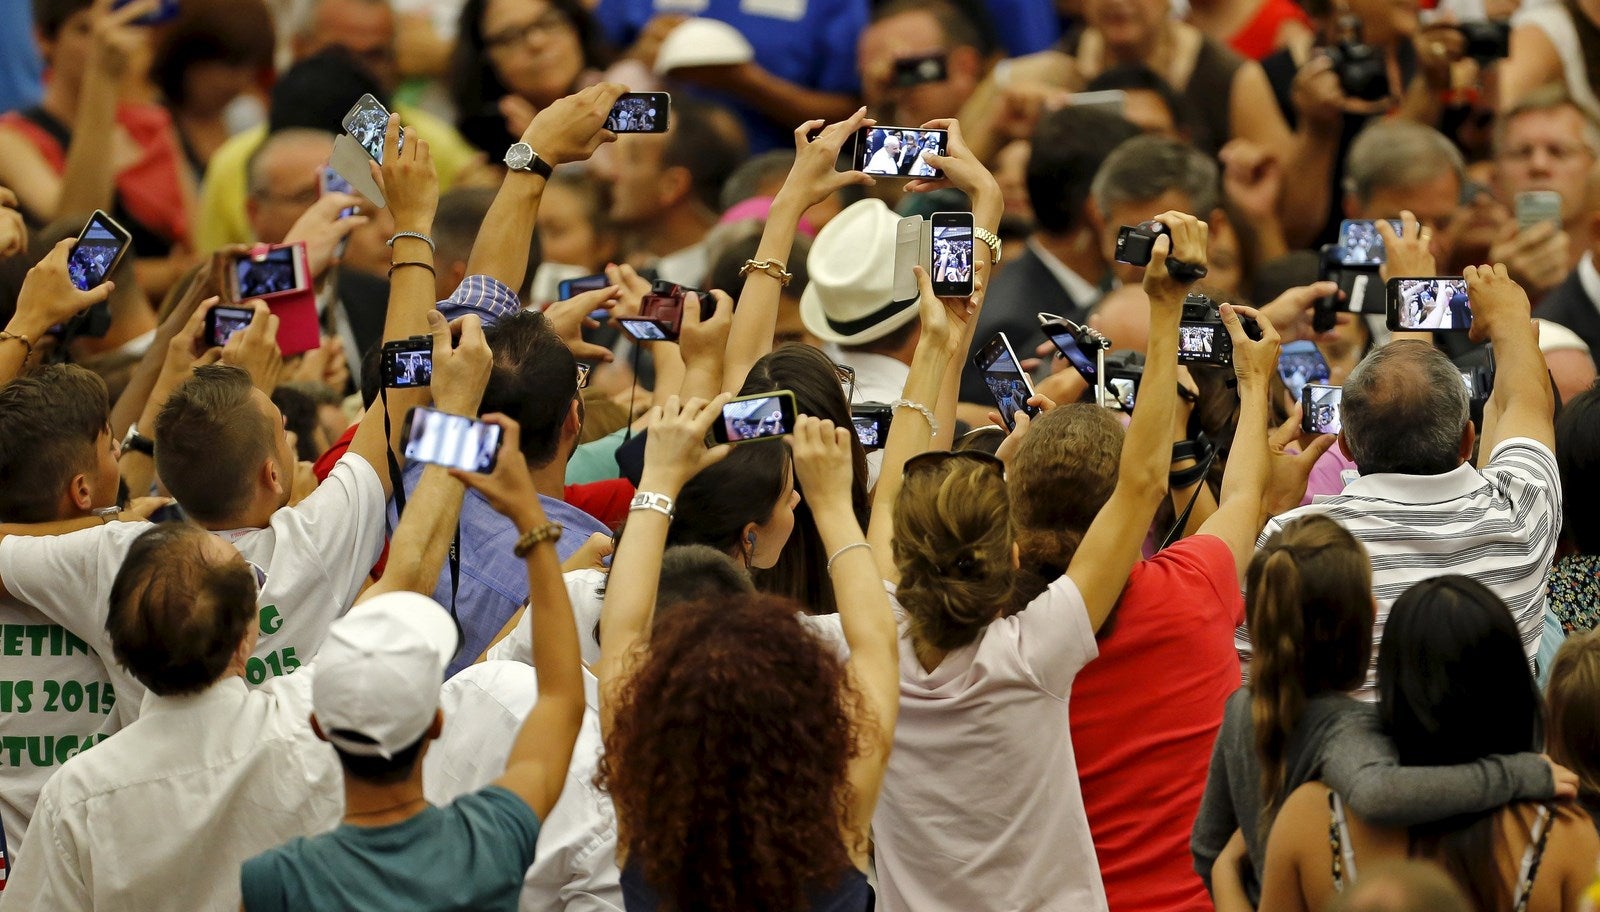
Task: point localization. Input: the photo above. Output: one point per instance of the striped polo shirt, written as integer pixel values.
(1497, 525)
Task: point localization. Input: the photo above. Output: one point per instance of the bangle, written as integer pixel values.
(413, 234)
(850, 547)
(933, 424)
(16, 337)
(649, 500)
(536, 536)
(427, 266)
(775, 268)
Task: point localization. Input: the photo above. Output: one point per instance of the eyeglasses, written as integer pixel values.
(583, 376)
(1558, 152)
(938, 458)
(546, 26)
(847, 379)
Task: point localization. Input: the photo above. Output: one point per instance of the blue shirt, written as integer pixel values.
(808, 42)
(494, 581)
(469, 854)
(20, 69)
(1024, 26)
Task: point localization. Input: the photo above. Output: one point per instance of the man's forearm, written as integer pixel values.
(1303, 204)
(88, 180)
(1521, 383)
(501, 249)
(422, 540)
(788, 102)
(1248, 460)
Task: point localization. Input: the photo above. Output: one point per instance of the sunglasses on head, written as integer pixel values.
(939, 458)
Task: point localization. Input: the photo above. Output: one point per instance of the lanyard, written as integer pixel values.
(397, 483)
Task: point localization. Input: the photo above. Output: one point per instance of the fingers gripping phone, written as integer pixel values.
(762, 416)
(898, 152)
(1319, 409)
(1084, 348)
(453, 441)
(100, 247)
(640, 112)
(223, 321)
(1008, 383)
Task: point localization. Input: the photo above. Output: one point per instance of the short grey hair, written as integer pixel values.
(1145, 167)
(746, 180)
(1399, 153)
(1404, 410)
(255, 168)
(1551, 97)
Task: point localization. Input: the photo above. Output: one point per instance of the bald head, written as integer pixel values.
(1406, 410)
(1123, 316)
(284, 182)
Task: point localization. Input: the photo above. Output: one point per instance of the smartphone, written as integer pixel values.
(1360, 244)
(1535, 206)
(640, 112)
(367, 122)
(452, 441)
(759, 417)
(644, 330)
(223, 321)
(100, 247)
(332, 182)
(1114, 99)
(1300, 363)
(1076, 343)
(871, 420)
(897, 151)
(166, 12)
(1436, 303)
(1319, 409)
(571, 288)
(273, 271)
(1122, 388)
(914, 71)
(407, 363)
(951, 254)
(1008, 383)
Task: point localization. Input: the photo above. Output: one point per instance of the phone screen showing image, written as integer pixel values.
(267, 275)
(1300, 363)
(367, 122)
(1066, 343)
(1360, 244)
(453, 441)
(952, 254)
(225, 321)
(640, 112)
(898, 151)
(754, 418)
(1439, 303)
(1006, 381)
(100, 246)
(1319, 408)
(644, 330)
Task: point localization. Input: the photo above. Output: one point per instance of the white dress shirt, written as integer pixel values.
(161, 816)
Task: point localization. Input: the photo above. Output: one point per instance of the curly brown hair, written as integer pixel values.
(727, 758)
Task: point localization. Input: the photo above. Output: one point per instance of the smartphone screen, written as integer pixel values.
(1123, 392)
(1535, 206)
(453, 441)
(952, 254)
(872, 424)
(1439, 303)
(101, 245)
(1319, 409)
(897, 151)
(571, 288)
(640, 112)
(1066, 342)
(1300, 363)
(644, 330)
(407, 367)
(333, 182)
(1360, 244)
(223, 321)
(275, 272)
(367, 122)
(1007, 383)
(757, 417)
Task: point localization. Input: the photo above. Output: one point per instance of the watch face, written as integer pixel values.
(519, 156)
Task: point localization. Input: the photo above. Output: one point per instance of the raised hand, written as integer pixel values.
(570, 317)
(962, 169)
(48, 296)
(1020, 426)
(1537, 257)
(1289, 472)
(631, 289)
(945, 320)
(813, 178)
(823, 465)
(571, 128)
(460, 370)
(702, 343)
(676, 450)
(255, 348)
(409, 181)
(322, 229)
(1293, 313)
(509, 489)
(1185, 240)
(1253, 360)
(1411, 254)
(1498, 302)
(1252, 179)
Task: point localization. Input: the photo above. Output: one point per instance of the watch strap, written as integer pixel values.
(990, 240)
(137, 442)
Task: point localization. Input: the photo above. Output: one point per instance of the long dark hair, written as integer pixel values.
(476, 89)
(1454, 687)
(801, 572)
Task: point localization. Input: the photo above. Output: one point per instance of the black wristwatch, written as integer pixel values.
(521, 157)
(137, 442)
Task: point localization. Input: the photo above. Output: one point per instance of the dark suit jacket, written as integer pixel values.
(1571, 307)
(1023, 288)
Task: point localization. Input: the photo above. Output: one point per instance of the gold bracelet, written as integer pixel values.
(536, 536)
(776, 268)
(5, 337)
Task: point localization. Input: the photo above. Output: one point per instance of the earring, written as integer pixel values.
(750, 548)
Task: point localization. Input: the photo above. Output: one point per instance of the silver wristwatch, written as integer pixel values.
(521, 157)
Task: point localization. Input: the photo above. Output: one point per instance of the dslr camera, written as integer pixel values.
(1202, 339)
(1136, 243)
(1486, 40)
(1360, 66)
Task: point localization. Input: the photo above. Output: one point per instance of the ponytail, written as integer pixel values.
(1277, 641)
(952, 544)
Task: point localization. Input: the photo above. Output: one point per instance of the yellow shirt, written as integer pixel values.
(223, 192)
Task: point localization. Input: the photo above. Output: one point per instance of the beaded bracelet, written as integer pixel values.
(933, 424)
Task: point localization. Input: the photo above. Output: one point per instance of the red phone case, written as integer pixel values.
(298, 328)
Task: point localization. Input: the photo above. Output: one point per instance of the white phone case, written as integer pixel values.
(349, 161)
(913, 246)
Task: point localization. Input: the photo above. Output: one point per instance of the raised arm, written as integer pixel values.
(568, 130)
(1237, 520)
(823, 468)
(674, 453)
(421, 541)
(89, 177)
(47, 297)
(536, 768)
(702, 346)
(1522, 404)
(1112, 544)
(944, 326)
(811, 180)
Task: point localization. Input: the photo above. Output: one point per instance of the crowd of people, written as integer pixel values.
(427, 586)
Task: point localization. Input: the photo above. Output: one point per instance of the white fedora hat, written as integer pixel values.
(849, 299)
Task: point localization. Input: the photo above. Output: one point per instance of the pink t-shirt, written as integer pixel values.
(980, 806)
(1328, 475)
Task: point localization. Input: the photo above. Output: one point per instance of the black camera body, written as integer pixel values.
(1362, 72)
(1136, 244)
(1202, 339)
(1486, 40)
(1124, 373)
(407, 363)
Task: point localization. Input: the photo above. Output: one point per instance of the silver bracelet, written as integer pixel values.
(414, 234)
(933, 424)
(649, 500)
(850, 547)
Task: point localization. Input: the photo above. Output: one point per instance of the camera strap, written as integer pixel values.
(1204, 452)
(398, 485)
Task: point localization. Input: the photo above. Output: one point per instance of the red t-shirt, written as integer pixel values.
(1144, 716)
(1259, 37)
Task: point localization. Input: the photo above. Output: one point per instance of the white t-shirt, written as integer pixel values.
(981, 807)
(57, 698)
(316, 557)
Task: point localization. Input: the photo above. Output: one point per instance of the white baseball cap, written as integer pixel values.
(379, 671)
(702, 42)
